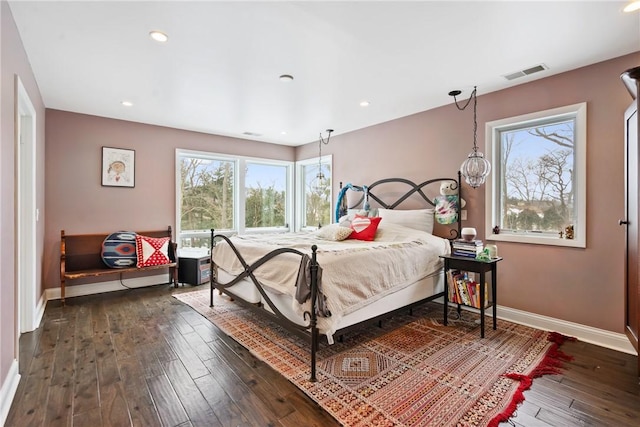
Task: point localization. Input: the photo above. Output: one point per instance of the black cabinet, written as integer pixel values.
(194, 270)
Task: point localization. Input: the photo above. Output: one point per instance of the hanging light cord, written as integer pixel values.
(454, 93)
(475, 168)
(321, 142)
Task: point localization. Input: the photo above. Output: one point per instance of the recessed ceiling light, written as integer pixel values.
(286, 78)
(364, 104)
(632, 7)
(127, 103)
(159, 36)
(284, 132)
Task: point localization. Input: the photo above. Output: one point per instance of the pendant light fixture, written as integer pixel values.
(475, 168)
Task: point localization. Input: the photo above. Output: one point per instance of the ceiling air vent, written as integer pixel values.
(251, 134)
(526, 72)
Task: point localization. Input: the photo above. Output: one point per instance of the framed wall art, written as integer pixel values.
(118, 167)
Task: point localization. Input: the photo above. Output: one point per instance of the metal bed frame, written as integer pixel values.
(310, 331)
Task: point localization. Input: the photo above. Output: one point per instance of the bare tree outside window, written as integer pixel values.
(537, 189)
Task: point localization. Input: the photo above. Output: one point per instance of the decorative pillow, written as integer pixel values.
(334, 232)
(419, 219)
(152, 250)
(364, 227)
(119, 249)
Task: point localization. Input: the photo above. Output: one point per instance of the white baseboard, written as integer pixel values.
(8, 391)
(42, 304)
(109, 286)
(600, 337)
(608, 339)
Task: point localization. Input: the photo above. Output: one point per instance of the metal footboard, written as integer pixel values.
(308, 331)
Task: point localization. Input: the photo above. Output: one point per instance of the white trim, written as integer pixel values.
(39, 314)
(600, 337)
(108, 286)
(608, 339)
(239, 199)
(25, 242)
(579, 111)
(8, 391)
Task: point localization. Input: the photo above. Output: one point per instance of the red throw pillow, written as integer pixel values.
(364, 227)
(152, 250)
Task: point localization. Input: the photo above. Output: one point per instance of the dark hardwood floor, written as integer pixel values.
(142, 358)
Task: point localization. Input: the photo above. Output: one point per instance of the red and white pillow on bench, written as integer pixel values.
(152, 251)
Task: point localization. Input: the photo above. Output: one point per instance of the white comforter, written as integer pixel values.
(355, 272)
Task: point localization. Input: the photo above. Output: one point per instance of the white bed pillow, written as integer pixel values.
(419, 219)
(333, 232)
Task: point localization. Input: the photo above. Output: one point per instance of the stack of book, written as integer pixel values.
(463, 290)
(467, 248)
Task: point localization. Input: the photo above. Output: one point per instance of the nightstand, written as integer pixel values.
(473, 265)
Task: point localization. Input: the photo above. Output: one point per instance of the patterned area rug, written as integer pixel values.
(412, 371)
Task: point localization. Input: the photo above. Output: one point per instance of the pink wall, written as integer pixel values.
(579, 285)
(584, 286)
(76, 201)
(14, 62)
(536, 279)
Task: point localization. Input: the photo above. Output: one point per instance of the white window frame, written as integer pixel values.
(492, 193)
(289, 218)
(240, 163)
(300, 191)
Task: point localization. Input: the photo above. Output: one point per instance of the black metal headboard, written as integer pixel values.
(414, 189)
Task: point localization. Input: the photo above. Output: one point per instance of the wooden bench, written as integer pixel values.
(81, 257)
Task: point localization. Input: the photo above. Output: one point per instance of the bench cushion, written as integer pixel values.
(119, 249)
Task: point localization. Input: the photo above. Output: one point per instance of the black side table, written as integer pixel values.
(194, 269)
(471, 264)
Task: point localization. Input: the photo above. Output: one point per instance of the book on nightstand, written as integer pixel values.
(467, 248)
(464, 290)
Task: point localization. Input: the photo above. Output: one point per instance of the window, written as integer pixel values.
(209, 196)
(538, 185)
(314, 192)
(265, 195)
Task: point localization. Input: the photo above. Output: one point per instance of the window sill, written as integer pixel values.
(535, 240)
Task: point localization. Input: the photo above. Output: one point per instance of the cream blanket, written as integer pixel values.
(355, 272)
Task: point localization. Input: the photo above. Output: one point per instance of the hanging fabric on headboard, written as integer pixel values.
(341, 204)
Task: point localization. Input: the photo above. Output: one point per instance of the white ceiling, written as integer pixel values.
(218, 73)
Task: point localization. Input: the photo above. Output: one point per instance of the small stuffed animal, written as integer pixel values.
(447, 203)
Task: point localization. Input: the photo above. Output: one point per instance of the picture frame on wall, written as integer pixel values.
(118, 167)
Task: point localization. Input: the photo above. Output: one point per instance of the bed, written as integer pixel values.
(317, 284)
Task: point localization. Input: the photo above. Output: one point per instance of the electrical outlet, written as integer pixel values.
(463, 215)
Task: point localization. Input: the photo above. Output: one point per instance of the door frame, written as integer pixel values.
(25, 210)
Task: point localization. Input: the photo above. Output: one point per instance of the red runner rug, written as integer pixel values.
(411, 372)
